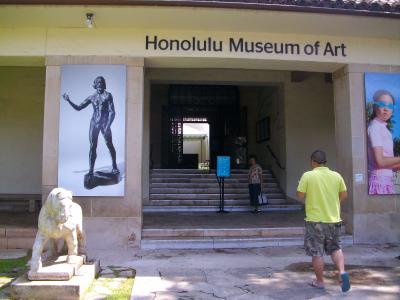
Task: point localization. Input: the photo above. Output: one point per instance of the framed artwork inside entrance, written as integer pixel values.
(382, 96)
(263, 132)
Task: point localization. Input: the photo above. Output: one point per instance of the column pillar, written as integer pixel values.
(109, 222)
(371, 219)
(50, 130)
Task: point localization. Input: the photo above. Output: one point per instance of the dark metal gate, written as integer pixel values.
(214, 104)
(176, 137)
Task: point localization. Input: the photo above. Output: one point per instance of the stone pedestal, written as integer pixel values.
(72, 289)
(101, 178)
(58, 269)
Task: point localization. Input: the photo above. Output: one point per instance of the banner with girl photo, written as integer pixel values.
(382, 96)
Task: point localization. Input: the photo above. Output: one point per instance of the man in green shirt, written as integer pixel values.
(322, 190)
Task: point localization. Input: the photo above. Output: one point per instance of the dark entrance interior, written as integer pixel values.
(217, 105)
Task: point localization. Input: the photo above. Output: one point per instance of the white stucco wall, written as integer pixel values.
(21, 129)
(309, 125)
(261, 102)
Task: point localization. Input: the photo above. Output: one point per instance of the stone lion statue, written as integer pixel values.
(59, 218)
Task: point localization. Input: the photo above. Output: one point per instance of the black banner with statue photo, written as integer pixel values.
(91, 158)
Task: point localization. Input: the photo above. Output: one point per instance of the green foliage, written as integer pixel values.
(8, 265)
(9, 270)
(369, 109)
(123, 291)
(390, 124)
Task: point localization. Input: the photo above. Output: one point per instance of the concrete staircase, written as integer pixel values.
(17, 230)
(228, 242)
(236, 230)
(13, 237)
(20, 202)
(197, 190)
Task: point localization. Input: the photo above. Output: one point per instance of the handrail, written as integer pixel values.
(275, 158)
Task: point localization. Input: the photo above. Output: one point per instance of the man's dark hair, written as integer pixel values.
(253, 157)
(319, 157)
(101, 80)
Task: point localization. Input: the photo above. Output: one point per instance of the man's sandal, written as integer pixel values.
(345, 282)
(316, 285)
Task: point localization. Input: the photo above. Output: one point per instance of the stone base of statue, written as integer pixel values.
(101, 178)
(52, 286)
(60, 268)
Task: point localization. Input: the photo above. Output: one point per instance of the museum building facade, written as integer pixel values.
(277, 79)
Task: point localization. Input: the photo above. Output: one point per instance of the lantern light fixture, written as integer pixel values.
(89, 20)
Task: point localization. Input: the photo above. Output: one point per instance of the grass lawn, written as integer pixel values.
(113, 283)
(123, 291)
(119, 284)
(8, 265)
(9, 270)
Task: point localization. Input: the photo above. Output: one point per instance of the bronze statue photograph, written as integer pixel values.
(101, 121)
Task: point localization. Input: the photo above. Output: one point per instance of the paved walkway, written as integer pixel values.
(267, 273)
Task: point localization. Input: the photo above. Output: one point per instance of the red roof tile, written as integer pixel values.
(390, 8)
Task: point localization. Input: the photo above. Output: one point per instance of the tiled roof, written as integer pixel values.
(366, 5)
(389, 8)
(377, 7)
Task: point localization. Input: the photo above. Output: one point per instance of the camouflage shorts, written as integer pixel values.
(322, 238)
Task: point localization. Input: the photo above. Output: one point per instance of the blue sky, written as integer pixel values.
(385, 81)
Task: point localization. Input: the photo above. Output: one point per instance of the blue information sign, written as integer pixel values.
(223, 166)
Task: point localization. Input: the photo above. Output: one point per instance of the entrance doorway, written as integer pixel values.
(270, 114)
(192, 124)
(196, 141)
(219, 107)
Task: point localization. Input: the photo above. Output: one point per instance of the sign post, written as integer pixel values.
(223, 170)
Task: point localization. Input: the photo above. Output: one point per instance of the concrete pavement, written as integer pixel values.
(265, 273)
(262, 273)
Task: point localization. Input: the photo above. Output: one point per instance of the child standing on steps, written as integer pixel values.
(255, 182)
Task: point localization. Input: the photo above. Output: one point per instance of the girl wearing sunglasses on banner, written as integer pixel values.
(381, 160)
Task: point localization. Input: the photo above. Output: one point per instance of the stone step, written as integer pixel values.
(17, 237)
(206, 202)
(288, 231)
(13, 231)
(14, 206)
(214, 208)
(20, 243)
(191, 188)
(213, 196)
(195, 185)
(226, 242)
(19, 202)
(229, 190)
(196, 171)
(222, 232)
(206, 180)
(209, 176)
(75, 288)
